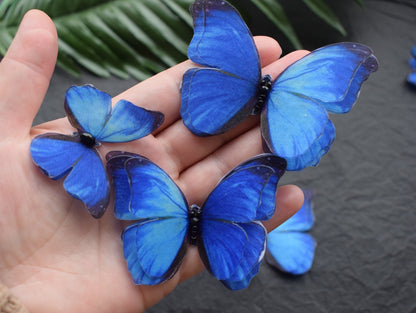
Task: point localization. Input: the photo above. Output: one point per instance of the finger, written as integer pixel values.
(25, 72)
(186, 149)
(162, 91)
(289, 200)
(200, 179)
(276, 68)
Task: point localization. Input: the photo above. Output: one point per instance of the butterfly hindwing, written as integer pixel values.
(226, 85)
(289, 248)
(93, 189)
(291, 252)
(154, 249)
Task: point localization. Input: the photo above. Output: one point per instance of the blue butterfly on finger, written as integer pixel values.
(226, 229)
(76, 156)
(228, 86)
(289, 247)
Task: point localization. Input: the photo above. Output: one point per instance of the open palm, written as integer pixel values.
(53, 255)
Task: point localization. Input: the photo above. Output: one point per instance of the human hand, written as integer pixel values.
(53, 255)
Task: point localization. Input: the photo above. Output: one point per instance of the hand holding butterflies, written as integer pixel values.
(53, 255)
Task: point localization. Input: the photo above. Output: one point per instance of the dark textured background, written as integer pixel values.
(365, 188)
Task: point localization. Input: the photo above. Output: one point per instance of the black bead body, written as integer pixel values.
(263, 92)
(87, 140)
(194, 224)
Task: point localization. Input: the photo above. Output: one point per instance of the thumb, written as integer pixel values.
(25, 72)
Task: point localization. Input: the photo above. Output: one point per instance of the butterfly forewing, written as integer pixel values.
(226, 86)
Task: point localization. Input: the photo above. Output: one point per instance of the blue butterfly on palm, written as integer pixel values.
(226, 228)
(294, 108)
(76, 156)
(289, 247)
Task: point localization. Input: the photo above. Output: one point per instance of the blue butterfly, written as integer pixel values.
(294, 109)
(76, 157)
(226, 228)
(289, 248)
(411, 78)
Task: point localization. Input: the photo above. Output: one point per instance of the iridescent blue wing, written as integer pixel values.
(328, 79)
(222, 93)
(252, 256)
(154, 194)
(413, 51)
(265, 210)
(412, 63)
(242, 284)
(116, 169)
(128, 122)
(411, 79)
(232, 242)
(288, 248)
(153, 247)
(58, 155)
(249, 190)
(87, 108)
(291, 252)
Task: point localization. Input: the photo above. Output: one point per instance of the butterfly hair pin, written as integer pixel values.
(289, 248)
(226, 229)
(76, 156)
(228, 86)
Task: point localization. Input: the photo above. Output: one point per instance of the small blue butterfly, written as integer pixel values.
(76, 157)
(226, 228)
(289, 248)
(294, 109)
(411, 78)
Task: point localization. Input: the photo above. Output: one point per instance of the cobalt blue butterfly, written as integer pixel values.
(294, 109)
(411, 78)
(76, 157)
(289, 248)
(226, 228)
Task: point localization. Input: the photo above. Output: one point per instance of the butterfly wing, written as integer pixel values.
(232, 242)
(58, 155)
(291, 252)
(128, 122)
(288, 248)
(328, 79)
(222, 93)
(155, 246)
(116, 169)
(412, 63)
(87, 108)
(411, 79)
(154, 249)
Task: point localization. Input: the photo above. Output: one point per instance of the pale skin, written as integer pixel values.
(53, 255)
